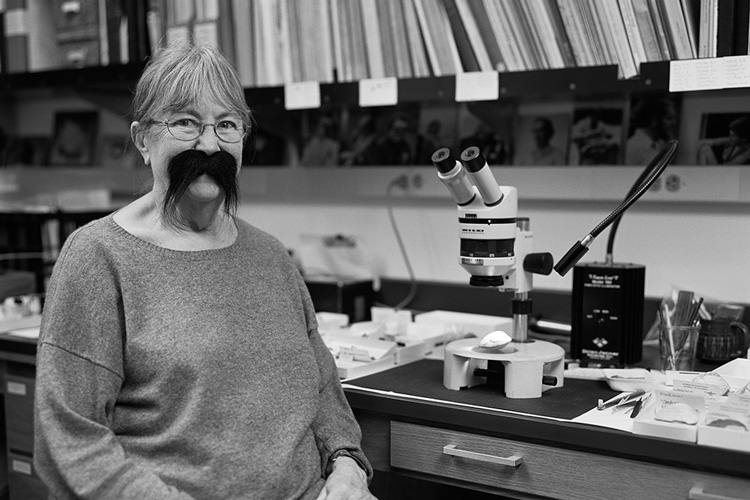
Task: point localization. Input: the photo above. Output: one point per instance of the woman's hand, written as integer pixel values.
(347, 481)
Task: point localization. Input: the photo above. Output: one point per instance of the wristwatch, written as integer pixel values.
(343, 453)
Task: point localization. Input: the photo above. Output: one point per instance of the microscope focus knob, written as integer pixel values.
(539, 263)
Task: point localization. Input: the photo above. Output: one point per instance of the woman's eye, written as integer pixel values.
(228, 125)
(185, 122)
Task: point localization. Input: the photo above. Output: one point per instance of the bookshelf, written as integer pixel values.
(521, 77)
(527, 77)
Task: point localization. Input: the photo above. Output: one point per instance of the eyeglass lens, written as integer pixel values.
(188, 130)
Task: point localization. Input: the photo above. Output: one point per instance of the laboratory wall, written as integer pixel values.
(702, 246)
(697, 246)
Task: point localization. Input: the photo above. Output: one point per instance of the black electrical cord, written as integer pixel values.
(400, 182)
(652, 172)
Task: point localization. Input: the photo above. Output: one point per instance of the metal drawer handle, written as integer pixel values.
(512, 461)
(696, 493)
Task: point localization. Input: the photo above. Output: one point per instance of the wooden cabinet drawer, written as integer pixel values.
(547, 471)
(23, 483)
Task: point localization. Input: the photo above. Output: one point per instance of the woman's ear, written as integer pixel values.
(137, 134)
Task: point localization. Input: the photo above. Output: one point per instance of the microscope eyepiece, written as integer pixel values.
(443, 160)
(481, 174)
(473, 159)
(453, 175)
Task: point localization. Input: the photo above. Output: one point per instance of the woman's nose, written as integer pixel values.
(208, 141)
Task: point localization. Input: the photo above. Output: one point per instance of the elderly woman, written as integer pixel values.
(179, 355)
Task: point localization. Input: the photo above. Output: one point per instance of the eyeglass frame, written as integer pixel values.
(203, 127)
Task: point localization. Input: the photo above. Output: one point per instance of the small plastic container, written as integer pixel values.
(628, 379)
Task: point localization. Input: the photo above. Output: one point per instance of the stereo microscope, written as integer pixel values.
(496, 250)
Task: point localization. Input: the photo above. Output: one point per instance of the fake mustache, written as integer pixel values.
(190, 164)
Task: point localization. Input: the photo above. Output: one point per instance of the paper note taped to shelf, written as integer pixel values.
(302, 95)
(378, 92)
(477, 86)
(696, 74)
(737, 71)
(709, 74)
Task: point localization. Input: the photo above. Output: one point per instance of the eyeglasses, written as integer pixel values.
(186, 129)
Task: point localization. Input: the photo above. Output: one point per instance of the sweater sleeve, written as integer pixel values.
(79, 375)
(335, 426)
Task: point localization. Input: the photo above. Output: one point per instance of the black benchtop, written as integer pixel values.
(425, 378)
(447, 408)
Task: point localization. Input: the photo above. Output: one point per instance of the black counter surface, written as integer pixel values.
(425, 378)
(415, 393)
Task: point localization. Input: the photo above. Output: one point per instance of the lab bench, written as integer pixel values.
(414, 428)
(476, 443)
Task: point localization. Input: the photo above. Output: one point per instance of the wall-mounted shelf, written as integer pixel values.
(581, 80)
(114, 77)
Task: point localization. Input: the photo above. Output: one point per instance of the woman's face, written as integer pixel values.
(158, 146)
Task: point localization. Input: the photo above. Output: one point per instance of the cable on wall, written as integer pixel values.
(401, 182)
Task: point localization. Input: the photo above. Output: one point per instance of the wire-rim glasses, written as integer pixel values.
(187, 129)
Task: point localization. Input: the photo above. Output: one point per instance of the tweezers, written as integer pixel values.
(639, 405)
(619, 400)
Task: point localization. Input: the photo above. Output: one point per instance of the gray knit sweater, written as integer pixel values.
(165, 374)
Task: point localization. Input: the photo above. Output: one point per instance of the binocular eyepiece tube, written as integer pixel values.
(460, 177)
(453, 175)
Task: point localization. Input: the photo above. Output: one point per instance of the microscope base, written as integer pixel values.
(524, 364)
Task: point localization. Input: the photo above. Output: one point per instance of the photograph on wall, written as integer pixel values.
(24, 150)
(542, 139)
(359, 132)
(119, 153)
(596, 135)
(379, 136)
(724, 139)
(437, 129)
(74, 138)
(270, 143)
(487, 125)
(396, 143)
(654, 120)
(320, 137)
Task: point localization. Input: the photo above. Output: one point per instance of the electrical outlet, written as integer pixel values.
(416, 181)
(407, 183)
(402, 182)
(673, 183)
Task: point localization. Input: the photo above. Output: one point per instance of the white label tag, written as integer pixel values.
(477, 86)
(355, 354)
(21, 467)
(737, 71)
(15, 388)
(302, 95)
(206, 34)
(177, 34)
(697, 74)
(378, 92)
(16, 22)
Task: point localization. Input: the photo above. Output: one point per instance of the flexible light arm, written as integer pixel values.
(653, 170)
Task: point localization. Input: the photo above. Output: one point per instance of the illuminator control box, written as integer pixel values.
(607, 314)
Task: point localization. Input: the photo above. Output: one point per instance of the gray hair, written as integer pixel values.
(179, 74)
